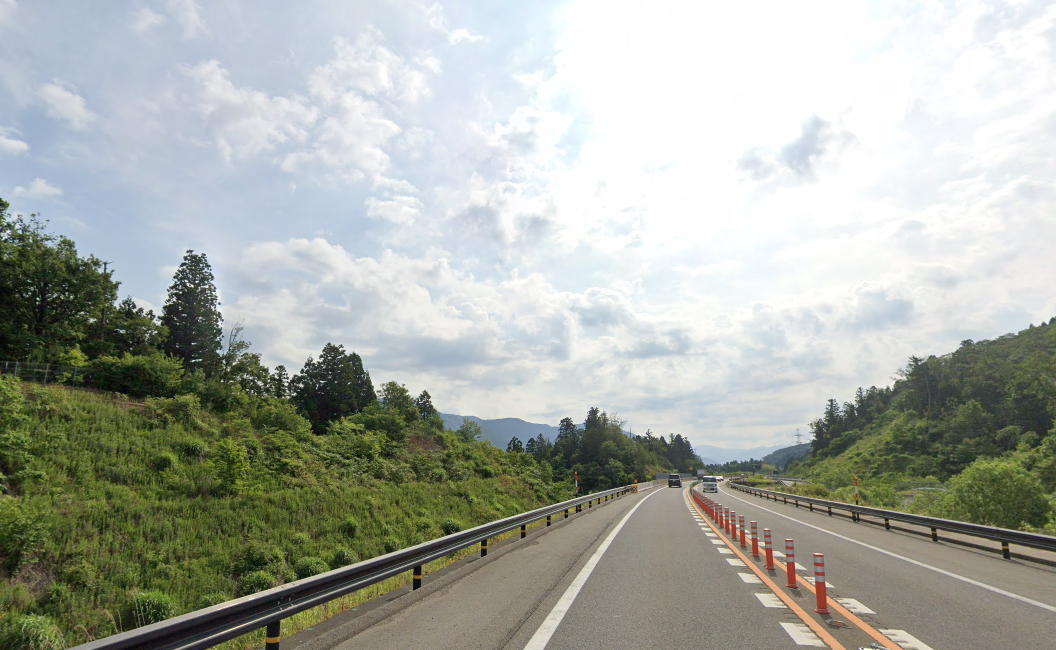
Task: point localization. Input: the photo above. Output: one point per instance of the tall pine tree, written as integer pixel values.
(192, 315)
(334, 386)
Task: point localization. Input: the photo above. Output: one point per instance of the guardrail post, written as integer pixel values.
(548, 520)
(484, 547)
(830, 511)
(1005, 551)
(887, 524)
(768, 546)
(790, 564)
(566, 513)
(934, 534)
(811, 506)
(271, 635)
(524, 530)
(755, 539)
(819, 585)
(416, 581)
(740, 523)
(590, 504)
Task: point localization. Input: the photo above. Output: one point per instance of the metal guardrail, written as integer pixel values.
(208, 627)
(1004, 535)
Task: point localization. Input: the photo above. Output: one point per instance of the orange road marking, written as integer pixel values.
(814, 625)
(862, 625)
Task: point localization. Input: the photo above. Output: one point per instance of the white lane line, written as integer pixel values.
(778, 554)
(854, 607)
(906, 640)
(771, 600)
(810, 579)
(951, 574)
(718, 542)
(557, 614)
(735, 562)
(711, 534)
(802, 635)
(750, 579)
(725, 551)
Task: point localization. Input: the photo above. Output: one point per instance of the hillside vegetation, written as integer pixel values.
(976, 425)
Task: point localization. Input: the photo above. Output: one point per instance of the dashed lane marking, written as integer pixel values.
(854, 606)
(802, 635)
(906, 640)
(923, 565)
(718, 542)
(750, 578)
(735, 562)
(725, 551)
(711, 534)
(810, 579)
(771, 601)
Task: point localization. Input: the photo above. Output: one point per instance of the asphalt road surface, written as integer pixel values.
(648, 570)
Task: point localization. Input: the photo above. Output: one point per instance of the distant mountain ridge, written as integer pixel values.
(500, 431)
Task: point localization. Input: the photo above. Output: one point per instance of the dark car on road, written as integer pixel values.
(674, 480)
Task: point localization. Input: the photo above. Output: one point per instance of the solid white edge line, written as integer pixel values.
(557, 614)
(951, 574)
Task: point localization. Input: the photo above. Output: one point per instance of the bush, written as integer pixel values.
(232, 466)
(194, 448)
(152, 375)
(255, 581)
(22, 533)
(165, 460)
(307, 567)
(449, 526)
(182, 409)
(256, 556)
(350, 527)
(151, 606)
(31, 632)
(343, 556)
(996, 493)
(392, 544)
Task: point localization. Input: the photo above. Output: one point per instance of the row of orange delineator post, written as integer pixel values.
(729, 521)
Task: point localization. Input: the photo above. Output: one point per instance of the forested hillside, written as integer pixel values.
(164, 467)
(977, 421)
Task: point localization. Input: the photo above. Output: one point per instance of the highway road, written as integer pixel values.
(647, 570)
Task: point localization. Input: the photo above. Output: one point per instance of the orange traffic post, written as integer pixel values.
(819, 584)
(790, 564)
(769, 549)
(729, 513)
(740, 524)
(755, 540)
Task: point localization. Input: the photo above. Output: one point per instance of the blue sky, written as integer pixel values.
(706, 218)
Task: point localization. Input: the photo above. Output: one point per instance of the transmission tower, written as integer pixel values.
(798, 437)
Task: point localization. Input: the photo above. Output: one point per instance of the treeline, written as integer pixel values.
(989, 404)
(603, 455)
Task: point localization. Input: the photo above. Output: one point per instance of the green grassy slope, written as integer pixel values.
(126, 512)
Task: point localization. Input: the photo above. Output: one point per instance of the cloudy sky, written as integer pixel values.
(707, 217)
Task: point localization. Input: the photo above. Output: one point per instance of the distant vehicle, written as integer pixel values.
(709, 483)
(674, 480)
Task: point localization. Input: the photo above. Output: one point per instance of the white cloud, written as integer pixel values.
(435, 14)
(400, 209)
(185, 12)
(144, 20)
(38, 189)
(10, 144)
(369, 68)
(65, 104)
(244, 121)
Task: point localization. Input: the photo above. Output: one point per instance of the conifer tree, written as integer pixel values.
(192, 315)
